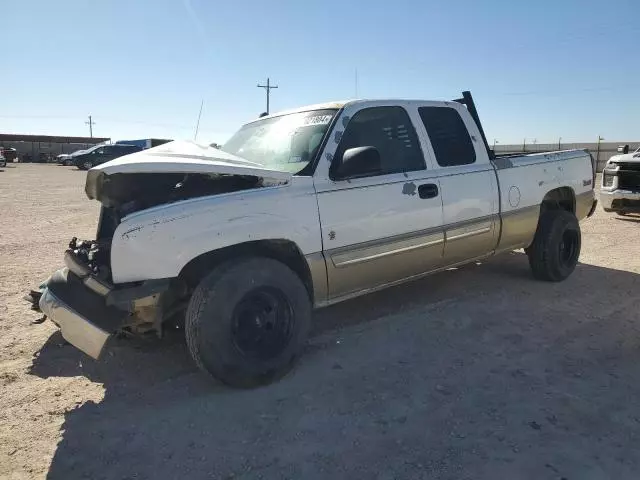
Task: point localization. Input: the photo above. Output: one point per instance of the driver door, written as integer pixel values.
(379, 227)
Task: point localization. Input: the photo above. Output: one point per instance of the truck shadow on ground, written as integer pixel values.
(480, 372)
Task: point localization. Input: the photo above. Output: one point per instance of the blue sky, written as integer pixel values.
(539, 69)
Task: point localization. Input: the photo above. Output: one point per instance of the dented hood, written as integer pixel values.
(179, 157)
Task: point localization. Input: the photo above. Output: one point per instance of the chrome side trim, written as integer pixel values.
(478, 237)
(366, 291)
(469, 234)
(374, 252)
(465, 232)
(368, 264)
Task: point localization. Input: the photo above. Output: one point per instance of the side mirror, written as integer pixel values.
(359, 162)
(623, 149)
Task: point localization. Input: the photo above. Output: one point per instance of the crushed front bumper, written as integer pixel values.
(620, 200)
(84, 319)
(89, 310)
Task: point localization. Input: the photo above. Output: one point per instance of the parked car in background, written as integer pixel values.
(306, 209)
(102, 153)
(68, 161)
(3, 159)
(41, 157)
(64, 159)
(144, 143)
(620, 188)
(9, 153)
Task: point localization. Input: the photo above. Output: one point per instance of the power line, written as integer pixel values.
(58, 117)
(195, 136)
(104, 119)
(555, 93)
(268, 87)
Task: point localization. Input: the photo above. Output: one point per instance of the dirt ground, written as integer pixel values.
(478, 373)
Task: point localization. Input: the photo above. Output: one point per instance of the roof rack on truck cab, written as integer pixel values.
(467, 101)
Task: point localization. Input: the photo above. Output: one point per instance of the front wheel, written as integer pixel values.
(87, 165)
(248, 321)
(555, 250)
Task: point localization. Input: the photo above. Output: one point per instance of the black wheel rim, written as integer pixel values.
(262, 323)
(569, 248)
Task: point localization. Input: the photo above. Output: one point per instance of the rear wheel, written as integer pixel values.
(555, 250)
(87, 165)
(247, 321)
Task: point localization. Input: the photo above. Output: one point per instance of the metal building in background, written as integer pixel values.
(43, 148)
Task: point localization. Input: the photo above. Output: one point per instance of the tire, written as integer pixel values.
(87, 165)
(227, 325)
(555, 250)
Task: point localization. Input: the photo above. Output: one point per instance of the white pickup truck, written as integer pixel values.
(620, 188)
(304, 209)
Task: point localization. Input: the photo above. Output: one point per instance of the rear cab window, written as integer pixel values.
(449, 136)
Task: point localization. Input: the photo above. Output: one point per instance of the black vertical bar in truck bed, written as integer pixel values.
(467, 100)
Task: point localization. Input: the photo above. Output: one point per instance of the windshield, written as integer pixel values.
(287, 143)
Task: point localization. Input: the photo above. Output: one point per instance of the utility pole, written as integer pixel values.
(356, 82)
(91, 123)
(559, 141)
(598, 150)
(268, 87)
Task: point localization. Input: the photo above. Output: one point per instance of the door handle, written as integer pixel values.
(428, 190)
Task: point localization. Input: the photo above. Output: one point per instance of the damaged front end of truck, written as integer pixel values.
(82, 298)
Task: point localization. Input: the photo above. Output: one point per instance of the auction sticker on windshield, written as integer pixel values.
(318, 120)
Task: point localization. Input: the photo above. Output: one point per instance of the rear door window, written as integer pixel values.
(449, 136)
